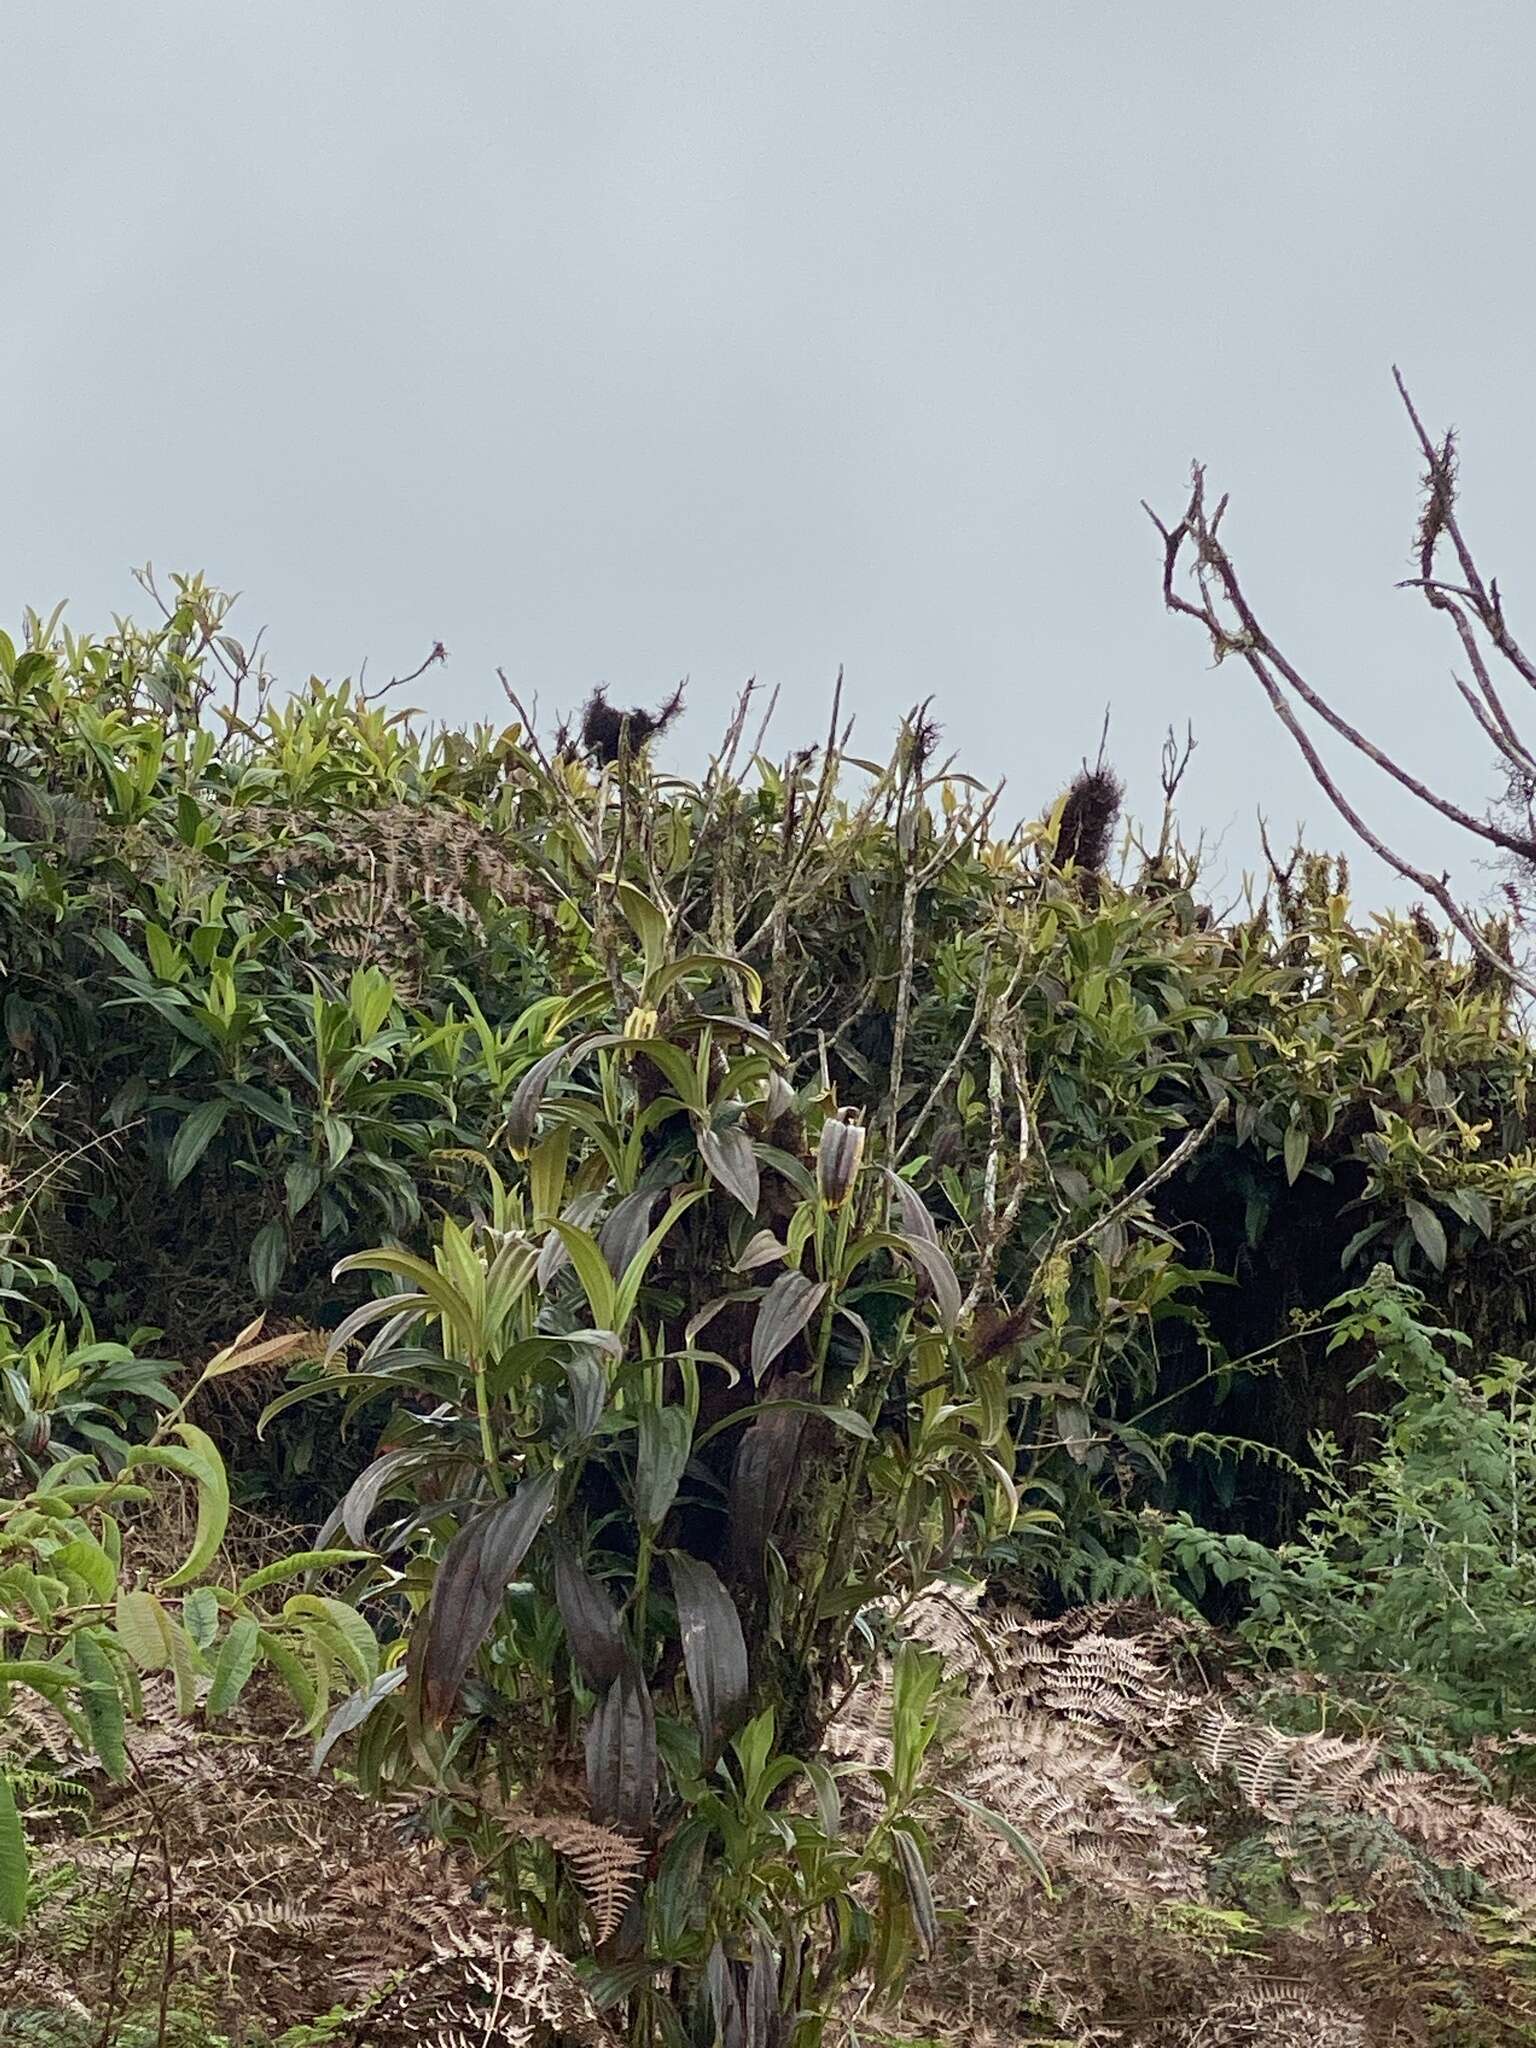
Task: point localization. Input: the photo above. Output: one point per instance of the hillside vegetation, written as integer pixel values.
(758, 1412)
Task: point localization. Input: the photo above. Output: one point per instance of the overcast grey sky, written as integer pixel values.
(622, 343)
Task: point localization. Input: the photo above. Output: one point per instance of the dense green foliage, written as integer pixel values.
(690, 1223)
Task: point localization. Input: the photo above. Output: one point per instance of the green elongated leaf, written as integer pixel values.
(628, 1293)
(291, 1671)
(1297, 1145)
(470, 1585)
(233, 1666)
(665, 1437)
(102, 1703)
(914, 1871)
(714, 1650)
(592, 1625)
(934, 1263)
(269, 1257)
(187, 1667)
(591, 1270)
(1020, 1844)
(376, 1311)
(354, 1711)
(295, 1567)
(193, 1137)
(301, 1183)
(13, 1859)
(786, 1308)
(1429, 1231)
(621, 1756)
(200, 1615)
(341, 1629)
(141, 1624)
(1473, 1207)
(729, 1158)
(650, 924)
(200, 1462)
(714, 963)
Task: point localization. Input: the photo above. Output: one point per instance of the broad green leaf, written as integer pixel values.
(269, 1256)
(347, 1635)
(200, 1615)
(591, 1270)
(233, 1666)
(102, 1702)
(664, 1437)
(1429, 1231)
(195, 1134)
(143, 1630)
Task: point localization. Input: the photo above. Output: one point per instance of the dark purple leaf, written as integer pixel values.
(470, 1585)
(787, 1307)
(626, 1228)
(761, 1478)
(621, 1757)
(367, 1490)
(916, 1220)
(714, 1649)
(528, 1095)
(730, 1159)
(933, 1262)
(724, 2000)
(592, 1625)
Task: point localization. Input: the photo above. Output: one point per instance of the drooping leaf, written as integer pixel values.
(592, 1625)
(354, 1711)
(528, 1096)
(714, 1649)
(729, 1158)
(762, 1999)
(470, 1585)
(233, 1666)
(664, 1438)
(367, 1490)
(786, 1308)
(200, 1462)
(1297, 1145)
(934, 1262)
(621, 1756)
(916, 1218)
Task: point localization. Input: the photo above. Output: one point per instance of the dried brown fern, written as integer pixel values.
(605, 1864)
